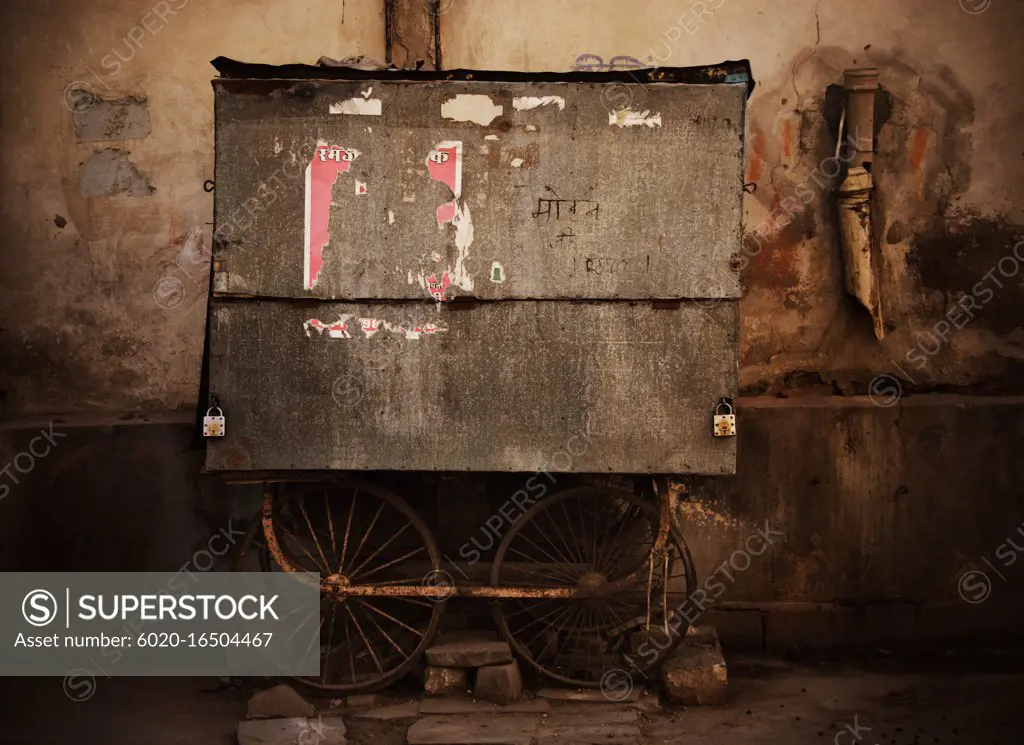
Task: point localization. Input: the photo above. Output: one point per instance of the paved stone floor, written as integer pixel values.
(771, 702)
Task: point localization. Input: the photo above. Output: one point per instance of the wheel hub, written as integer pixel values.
(591, 581)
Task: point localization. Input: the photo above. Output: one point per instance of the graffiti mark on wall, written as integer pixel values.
(566, 239)
(595, 63)
(555, 207)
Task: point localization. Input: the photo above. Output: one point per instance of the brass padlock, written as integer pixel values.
(213, 424)
(725, 424)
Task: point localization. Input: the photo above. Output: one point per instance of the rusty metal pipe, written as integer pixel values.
(336, 587)
(855, 194)
(861, 88)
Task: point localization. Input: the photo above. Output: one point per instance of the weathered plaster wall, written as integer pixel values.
(879, 505)
(950, 181)
(105, 242)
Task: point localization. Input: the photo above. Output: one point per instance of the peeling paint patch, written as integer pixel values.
(463, 240)
(531, 128)
(491, 137)
(497, 273)
(109, 172)
(336, 330)
(370, 327)
(525, 103)
(517, 162)
(391, 217)
(471, 107)
(328, 162)
(99, 119)
(919, 148)
(437, 289)
(360, 188)
(446, 213)
(357, 107)
(444, 164)
(631, 118)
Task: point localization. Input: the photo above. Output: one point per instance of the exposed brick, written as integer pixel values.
(442, 680)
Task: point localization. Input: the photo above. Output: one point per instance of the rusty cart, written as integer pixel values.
(477, 272)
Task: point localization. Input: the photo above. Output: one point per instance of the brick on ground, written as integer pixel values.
(444, 680)
(278, 702)
(696, 675)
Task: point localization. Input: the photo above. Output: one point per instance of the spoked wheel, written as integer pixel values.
(362, 534)
(584, 538)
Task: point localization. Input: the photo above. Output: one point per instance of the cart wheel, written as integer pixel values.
(586, 537)
(367, 535)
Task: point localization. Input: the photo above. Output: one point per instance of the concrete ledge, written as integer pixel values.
(820, 625)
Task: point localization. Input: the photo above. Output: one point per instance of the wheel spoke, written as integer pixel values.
(324, 676)
(554, 527)
(312, 533)
(569, 610)
(369, 647)
(299, 543)
(563, 580)
(382, 631)
(330, 523)
(394, 561)
(568, 578)
(366, 534)
(572, 533)
(348, 529)
(368, 559)
(391, 618)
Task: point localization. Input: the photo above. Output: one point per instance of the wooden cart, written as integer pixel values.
(477, 272)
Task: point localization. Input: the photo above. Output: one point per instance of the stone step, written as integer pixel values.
(292, 731)
(460, 705)
(474, 729)
(612, 734)
(406, 710)
(572, 716)
(468, 649)
(587, 724)
(586, 695)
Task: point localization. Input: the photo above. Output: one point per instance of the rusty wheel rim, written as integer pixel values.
(585, 537)
(359, 533)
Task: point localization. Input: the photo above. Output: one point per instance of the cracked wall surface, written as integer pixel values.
(104, 287)
(949, 182)
(107, 138)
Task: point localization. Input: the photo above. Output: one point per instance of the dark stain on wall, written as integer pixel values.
(970, 255)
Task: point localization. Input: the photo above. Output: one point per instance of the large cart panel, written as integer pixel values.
(508, 190)
(509, 386)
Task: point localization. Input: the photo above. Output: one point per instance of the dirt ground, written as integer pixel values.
(888, 702)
